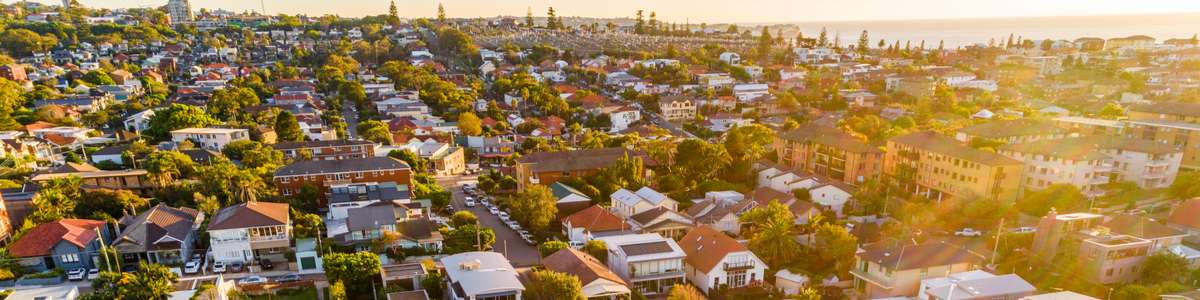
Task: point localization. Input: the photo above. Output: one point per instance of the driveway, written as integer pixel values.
(508, 242)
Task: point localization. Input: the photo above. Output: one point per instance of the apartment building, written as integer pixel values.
(1062, 162)
(1090, 126)
(888, 269)
(548, 167)
(677, 108)
(326, 150)
(325, 174)
(250, 231)
(1107, 252)
(1011, 131)
(939, 167)
(210, 138)
(1168, 111)
(92, 178)
(649, 262)
(829, 152)
(1178, 133)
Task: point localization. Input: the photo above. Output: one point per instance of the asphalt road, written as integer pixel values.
(508, 242)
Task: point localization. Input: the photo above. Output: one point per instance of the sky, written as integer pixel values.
(697, 11)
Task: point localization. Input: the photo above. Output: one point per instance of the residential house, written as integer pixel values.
(589, 223)
(627, 203)
(161, 235)
(828, 152)
(622, 117)
(975, 285)
(938, 167)
(716, 261)
(597, 281)
(1105, 252)
(549, 167)
(677, 108)
(63, 244)
(480, 276)
(325, 174)
(210, 138)
(93, 178)
(326, 150)
(650, 263)
(58, 292)
(886, 269)
(250, 231)
(662, 221)
(568, 200)
(720, 210)
(749, 92)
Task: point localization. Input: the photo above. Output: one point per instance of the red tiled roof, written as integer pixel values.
(596, 219)
(1187, 214)
(705, 247)
(41, 239)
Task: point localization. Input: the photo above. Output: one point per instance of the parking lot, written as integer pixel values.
(508, 241)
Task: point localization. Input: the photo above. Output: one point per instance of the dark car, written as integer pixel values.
(288, 278)
(266, 264)
(235, 267)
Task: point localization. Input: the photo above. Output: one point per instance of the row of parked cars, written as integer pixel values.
(475, 197)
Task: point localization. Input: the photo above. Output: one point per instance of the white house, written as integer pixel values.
(248, 231)
(721, 210)
(624, 117)
(598, 282)
(715, 260)
(750, 91)
(210, 138)
(481, 275)
(626, 203)
(731, 58)
(649, 262)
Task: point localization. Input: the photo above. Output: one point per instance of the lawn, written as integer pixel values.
(293, 294)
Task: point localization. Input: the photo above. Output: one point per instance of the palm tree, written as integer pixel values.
(247, 185)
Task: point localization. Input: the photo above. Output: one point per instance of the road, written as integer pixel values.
(675, 129)
(351, 118)
(508, 242)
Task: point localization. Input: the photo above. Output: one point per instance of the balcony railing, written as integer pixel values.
(264, 238)
(742, 265)
(1158, 163)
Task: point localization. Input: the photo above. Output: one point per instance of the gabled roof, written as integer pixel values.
(579, 159)
(313, 167)
(706, 247)
(813, 133)
(934, 142)
(561, 191)
(596, 219)
(252, 214)
(580, 264)
(160, 223)
(1011, 128)
(648, 218)
(40, 240)
(908, 256)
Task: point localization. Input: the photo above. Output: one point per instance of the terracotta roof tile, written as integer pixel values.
(41, 239)
(706, 247)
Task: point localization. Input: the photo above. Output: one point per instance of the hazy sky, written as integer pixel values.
(697, 11)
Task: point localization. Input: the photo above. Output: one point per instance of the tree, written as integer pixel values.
(699, 160)
(551, 285)
(549, 247)
(97, 77)
(177, 116)
(469, 124)
(551, 20)
(864, 43)
(529, 17)
(1186, 186)
(393, 14)
(24, 42)
(56, 200)
(287, 128)
(306, 225)
(463, 218)
(1062, 197)
(835, 247)
(413, 160)
(764, 43)
(597, 249)
(771, 233)
(108, 204)
(684, 292)
(441, 14)
(166, 166)
(1111, 111)
(1164, 266)
(228, 104)
(534, 207)
(151, 282)
(356, 270)
(823, 38)
(464, 239)
(375, 131)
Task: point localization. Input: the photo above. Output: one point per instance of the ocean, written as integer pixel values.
(964, 32)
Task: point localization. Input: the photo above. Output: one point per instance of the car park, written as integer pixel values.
(218, 267)
(252, 280)
(76, 274)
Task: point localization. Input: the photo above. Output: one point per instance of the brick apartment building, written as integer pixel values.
(325, 173)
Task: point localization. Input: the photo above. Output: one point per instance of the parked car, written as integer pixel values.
(235, 267)
(512, 225)
(968, 232)
(218, 267)
(76, 274)
(469, 202)
(266, 264)
(255, 279)
(493, 210)
(93, 274)
(529, 241)
(191, 267)
(288, 278)
(575, 244)
(1024, 229)
(450, 208)
(503, 215)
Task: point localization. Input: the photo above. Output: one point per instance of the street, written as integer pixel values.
(508, 242)
(351, 118)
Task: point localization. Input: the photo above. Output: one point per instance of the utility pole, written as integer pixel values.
(478, 243)
(100, 237)
(996, 248)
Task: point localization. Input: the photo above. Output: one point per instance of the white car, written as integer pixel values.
(76, 274)
(1025, 229)
(469, 202)
(503, 215)
(512, 225)
(218, 267)
(575, 244)
(968, 232)
(93, 274)
(494, 210)
(191, 267)
(252, 280)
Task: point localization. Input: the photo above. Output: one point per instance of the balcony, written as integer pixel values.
(1105, 167)
(1158, 163)
(742, 265)
(1154, 175)
(269, 238)
(1099, 180)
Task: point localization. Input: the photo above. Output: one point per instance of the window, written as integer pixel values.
(69, 258)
